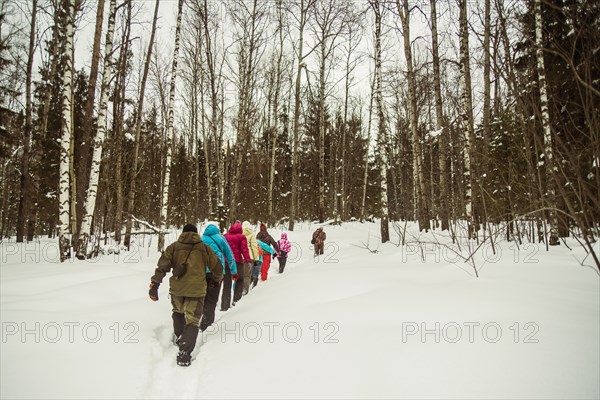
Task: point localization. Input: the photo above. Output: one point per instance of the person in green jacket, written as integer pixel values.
(188, 259)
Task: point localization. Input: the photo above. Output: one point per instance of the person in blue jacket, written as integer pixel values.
(256, 268)
(216, 241)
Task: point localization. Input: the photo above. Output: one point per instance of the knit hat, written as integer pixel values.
(263, 228)
(190, 228)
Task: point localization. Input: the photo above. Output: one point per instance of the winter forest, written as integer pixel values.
(126, 116)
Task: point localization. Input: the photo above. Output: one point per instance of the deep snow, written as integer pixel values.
(349, 324)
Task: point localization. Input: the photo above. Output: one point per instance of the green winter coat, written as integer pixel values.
(201, 257)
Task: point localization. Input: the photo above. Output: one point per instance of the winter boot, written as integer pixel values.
(187, 344)
(178, 325)
(184, 359)
(254, 282)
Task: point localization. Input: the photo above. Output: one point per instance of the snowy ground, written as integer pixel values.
(349, 324)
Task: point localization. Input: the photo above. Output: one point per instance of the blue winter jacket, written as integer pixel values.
(265, 247)
(213, 238)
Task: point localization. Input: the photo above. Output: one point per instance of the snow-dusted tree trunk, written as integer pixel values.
(276, 94)
(365, 179)
(382, 140)
(169, 138)
(24, 193)
(548, 152)
(467, 116)
(440, 125)
(418, 173)
(303, 17)
(90, 201)
(64, 190)
(138, 131)
(84, 146)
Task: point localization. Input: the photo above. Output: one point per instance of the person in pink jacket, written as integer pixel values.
(239, 246)
(284, 248)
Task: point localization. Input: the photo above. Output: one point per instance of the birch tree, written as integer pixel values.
(382, 139)
(440, 124)
(25, 193)
(169, 138)
(467, 120)
(548, 152)
(418, 174)
(304, 7)
(138, 130)
(276, 101)
(90, 201)
(64, 196)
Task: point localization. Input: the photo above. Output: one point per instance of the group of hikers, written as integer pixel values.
(202, 266)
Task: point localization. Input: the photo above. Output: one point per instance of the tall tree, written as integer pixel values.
(64, 228)
(382, 137)
(467, 119)
(90, 201)
(25, 193)
(418, 173)
(138, 131)
(169, 138)
(548, 151)
(85, 146)
(440, 124)
(304, 7)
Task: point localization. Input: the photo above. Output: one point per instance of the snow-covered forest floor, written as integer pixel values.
(398, 321)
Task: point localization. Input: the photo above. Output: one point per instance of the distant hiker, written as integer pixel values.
(239, 246)
(318, 240)
(264, 250)
(267, 239)
(188, 258)
(252, 249)
(284, 249)
(217, 242)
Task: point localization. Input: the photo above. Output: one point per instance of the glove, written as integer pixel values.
(153, 292)
(234, 277)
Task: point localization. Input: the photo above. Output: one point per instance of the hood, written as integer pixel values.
(236, 228)
(246, 225)
(284, 235)
(189, 237)
(211, 229)
(263, 228)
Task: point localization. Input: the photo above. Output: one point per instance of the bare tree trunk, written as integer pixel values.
(275, 130)
(169, 142)
(382, 159)
(419, 180)
(366, 172)
(467, 118)
(86, 144)
(24, 193)
(296, 127)
(484, 162)
(440, 125)
(118, 123)
(90, 201)
(548, 152)
(138, 130)
(64, 229)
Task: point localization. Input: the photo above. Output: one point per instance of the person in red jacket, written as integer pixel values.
(239, 246)
(267, 239)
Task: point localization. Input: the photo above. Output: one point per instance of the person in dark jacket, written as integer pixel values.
(318, 240)
(267, 239)
(188, 258)
(239, 246)
(217, 242)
